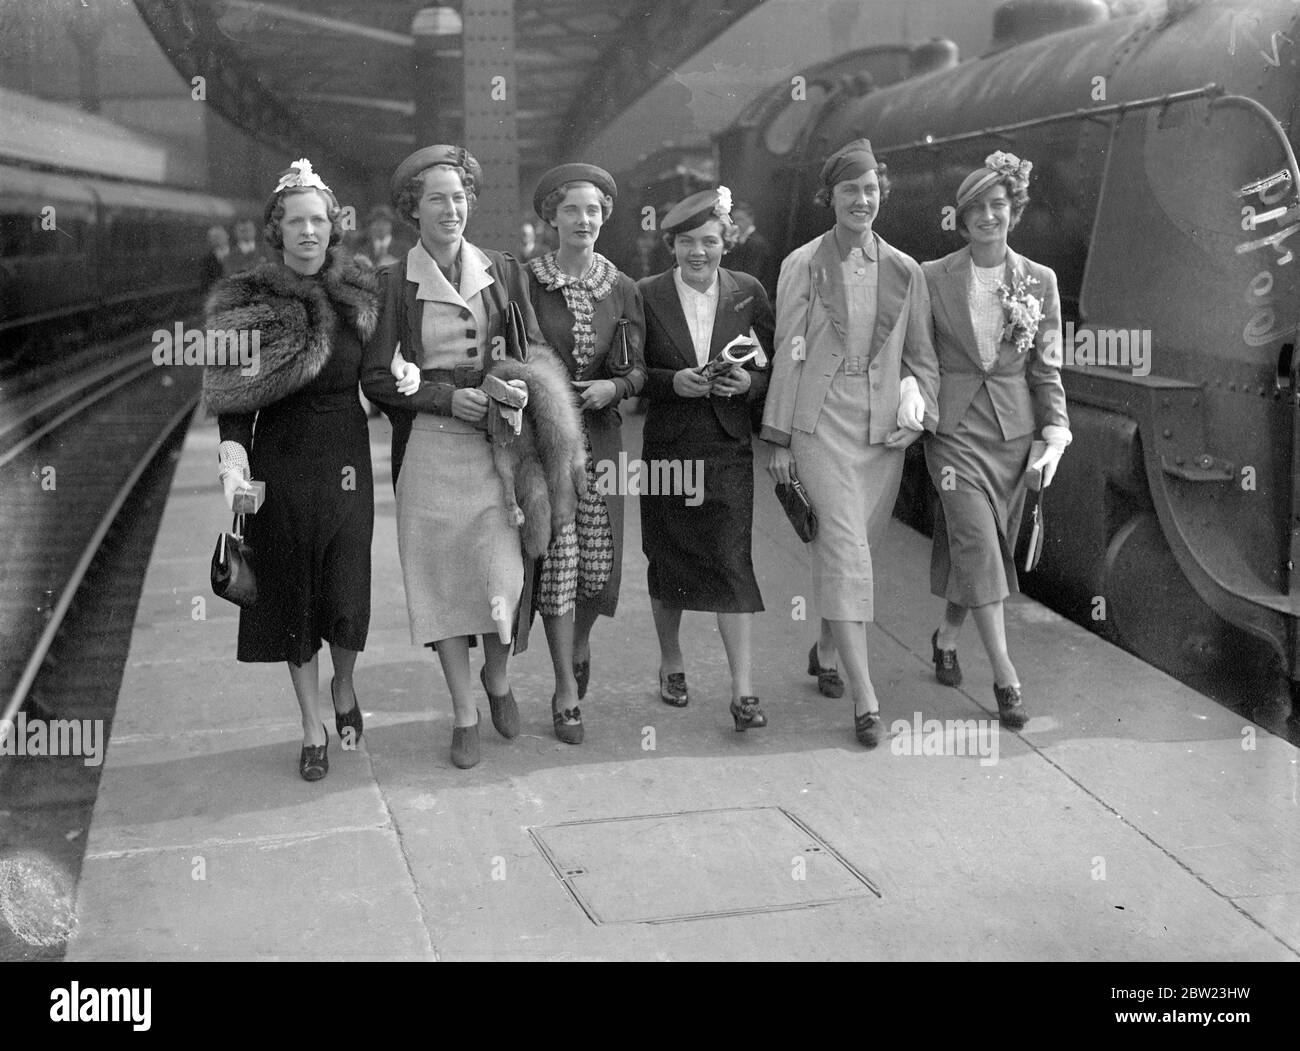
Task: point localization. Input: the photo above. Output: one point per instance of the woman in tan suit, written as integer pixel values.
(997, 330)
(852, 386)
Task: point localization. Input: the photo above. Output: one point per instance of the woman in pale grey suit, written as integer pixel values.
(997, 331)
(852, 386)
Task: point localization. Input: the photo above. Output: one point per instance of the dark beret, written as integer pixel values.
(562, 173)
(695, 210)
(431, 155)
(850, 161)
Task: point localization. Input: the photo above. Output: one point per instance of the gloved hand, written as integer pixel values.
(911, 406)
(233, 472)
(407, 373)
(1057, 439)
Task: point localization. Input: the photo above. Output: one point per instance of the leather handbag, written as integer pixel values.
(1033, 551)
(619, 361)
(516, 333)
(232, 571)
(798, 508)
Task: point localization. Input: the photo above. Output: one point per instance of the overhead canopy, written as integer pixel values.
(341, 74)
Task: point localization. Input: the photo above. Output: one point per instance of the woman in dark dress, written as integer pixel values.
(997, 331)
(591, 314)
(294, 421)
(697, 536)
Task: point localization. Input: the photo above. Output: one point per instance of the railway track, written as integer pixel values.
(85, 467)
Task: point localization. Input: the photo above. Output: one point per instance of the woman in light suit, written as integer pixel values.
(997, 330)
(852, 386)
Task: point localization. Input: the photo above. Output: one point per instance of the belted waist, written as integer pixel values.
(322, 401)
(459, 377)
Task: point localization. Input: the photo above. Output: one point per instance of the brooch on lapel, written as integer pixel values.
(743, 303)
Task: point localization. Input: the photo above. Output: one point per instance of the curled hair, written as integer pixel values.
(274, 212)
(1017, 194)
(824, 194)
(730, 232)
(552, 201)
(407, 201)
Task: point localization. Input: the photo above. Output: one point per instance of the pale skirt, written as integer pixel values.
(852, 485)
(461, 558)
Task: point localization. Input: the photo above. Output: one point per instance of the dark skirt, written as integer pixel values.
(699, 543)
(980, 480)
(311, 537)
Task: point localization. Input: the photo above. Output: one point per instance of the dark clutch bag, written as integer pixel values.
(619, 361)
(232, 572)
(515, 332)
(798, 508)
(1033, 550)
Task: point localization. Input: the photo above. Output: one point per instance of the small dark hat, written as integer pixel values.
(431, 155)
(850, 161)
(562, 173)
(696, 210)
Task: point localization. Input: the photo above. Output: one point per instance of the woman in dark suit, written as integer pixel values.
(591, 314)
(997, 331)
(698, 539)
(295, 422)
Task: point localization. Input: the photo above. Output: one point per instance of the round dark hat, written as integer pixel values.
(562, 173)
(850, 161)
(427, 157)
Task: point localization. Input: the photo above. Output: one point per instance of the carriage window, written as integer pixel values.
(783, 132)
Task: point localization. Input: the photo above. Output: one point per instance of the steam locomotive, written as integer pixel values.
(1164, 196)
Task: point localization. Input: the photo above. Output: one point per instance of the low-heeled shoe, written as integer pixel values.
(747, 714)
(582, 676)
(569, 733)
(464, 745)
(505, 713)
(672, 689)
(829, 683)
(349, 719)
(868, 729)
(946, 668)
(1011, 709)
(314, 762)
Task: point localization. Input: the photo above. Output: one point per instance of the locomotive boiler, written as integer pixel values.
(1164, 195)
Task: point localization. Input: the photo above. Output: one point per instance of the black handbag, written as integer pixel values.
(798, 508)
(516, 333)
(1037, 533)
(619, 361)
(232, 572)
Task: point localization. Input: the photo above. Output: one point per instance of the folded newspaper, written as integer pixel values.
(739, 351)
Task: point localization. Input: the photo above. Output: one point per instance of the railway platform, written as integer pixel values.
(1133, 819)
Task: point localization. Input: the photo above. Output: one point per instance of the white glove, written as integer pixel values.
(233, 472)
(407, 373)
(911, 406)
(1057, 439)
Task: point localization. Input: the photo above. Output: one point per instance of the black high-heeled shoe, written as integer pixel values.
(569, 733)
(314, 763)
(350, 719)
(946, 668)
(672, 689)
(829, 683)
(747, 714)
(505, 712)
(868, 728)
(1011, 709)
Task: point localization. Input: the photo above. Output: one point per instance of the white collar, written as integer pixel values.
(433, 284)
(709, 293)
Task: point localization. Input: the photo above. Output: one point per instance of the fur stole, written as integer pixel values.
(295, 318)
(543, 470)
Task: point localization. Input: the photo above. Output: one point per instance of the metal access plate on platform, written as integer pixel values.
(658, 868)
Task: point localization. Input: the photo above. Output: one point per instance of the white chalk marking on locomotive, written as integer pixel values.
(213, 346)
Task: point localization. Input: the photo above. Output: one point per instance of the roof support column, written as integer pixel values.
(491, 88)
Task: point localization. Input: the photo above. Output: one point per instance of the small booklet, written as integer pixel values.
(739, 351)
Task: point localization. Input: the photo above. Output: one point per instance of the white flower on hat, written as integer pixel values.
(300, 175)
(1009, 164)
(723, 208)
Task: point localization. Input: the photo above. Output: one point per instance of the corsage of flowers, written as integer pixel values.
(299, 174)
(1009, 164)
(723, 208)
(1023, 312)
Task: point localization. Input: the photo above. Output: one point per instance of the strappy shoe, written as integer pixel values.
(1011, 709)
(568, 732)
(747, 714)
(314, 763)
(349, 720)
(868, 728)
(464, 745)
(829, 683)
(582, 675)
(946, 668)
(505, 713)
(672, 689)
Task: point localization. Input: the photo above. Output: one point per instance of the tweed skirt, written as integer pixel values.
(980, 480)
(461, 557)
(852, 485)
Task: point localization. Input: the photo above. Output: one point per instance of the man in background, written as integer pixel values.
(752, 253)
(247, 253)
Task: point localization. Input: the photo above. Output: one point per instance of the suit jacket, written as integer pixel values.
(742, 305)
(1025, 389)
(812, 332)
